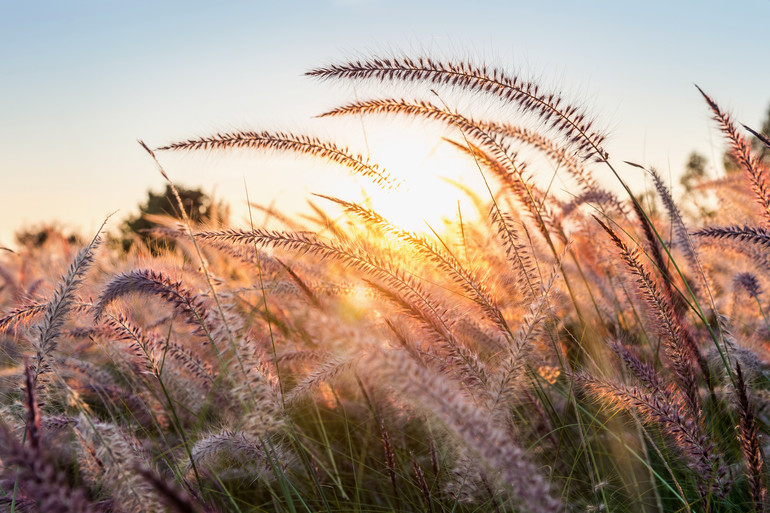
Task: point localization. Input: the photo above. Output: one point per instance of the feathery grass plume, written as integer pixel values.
(33, 423)
(492, 446)
(139, 344)
(445, 261)
(740, 148)
(408, 342)
(654, 247)
(700, 288)
(559, 155)
(762, 137)
(402, 288)
(118, 454)
(390, 462)
(59, 306)
(179, 232)
(455, 357)
(149, 281)
(680, 348)
(301, 284)
(604, 200)
(478, 334)
(14, 414)
(301, 356)
(748, 282)
(188, 359)
(503, 161)
(753, 254)
(258, 391)
(21, 503)
(173, 496)
(33, 477)
(644, 372)
(422, 483)
(509, 372)
(520, 255)
(676, 420)
(744, 235)
(324, 222)
(748, 436)
(228, 455)
(21, 315)
(323, 374)
(153, 361)
(148, 345)
(745, 283)
(520, 186)
(468, 482)
(280, 141)
(90, 380)
(550, 108)
(548, 147)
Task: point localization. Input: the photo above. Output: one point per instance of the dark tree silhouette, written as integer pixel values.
(199, 207)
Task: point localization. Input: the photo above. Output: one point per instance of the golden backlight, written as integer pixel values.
(426, 197)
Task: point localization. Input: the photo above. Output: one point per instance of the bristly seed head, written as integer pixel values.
(748, 282)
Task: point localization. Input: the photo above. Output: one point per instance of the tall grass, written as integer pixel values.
(557, 355)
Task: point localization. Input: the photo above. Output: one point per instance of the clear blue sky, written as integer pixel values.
(81, 81)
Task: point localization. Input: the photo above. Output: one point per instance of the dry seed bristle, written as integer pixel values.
(287, 142)
(572, 124)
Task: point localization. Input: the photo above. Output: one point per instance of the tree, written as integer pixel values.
(37, 236)
(695, 170)
(199, 207)
(760, 148)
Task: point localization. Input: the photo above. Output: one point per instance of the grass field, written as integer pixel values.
(585, 352)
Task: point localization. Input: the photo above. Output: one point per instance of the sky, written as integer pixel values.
(82, 81)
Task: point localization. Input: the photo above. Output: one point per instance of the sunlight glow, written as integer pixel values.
(425, 198)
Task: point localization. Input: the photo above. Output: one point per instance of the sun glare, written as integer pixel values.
(427, 197)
